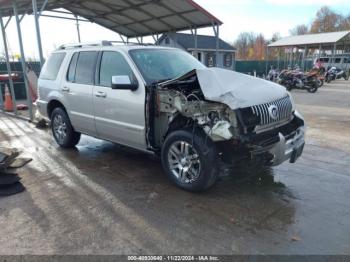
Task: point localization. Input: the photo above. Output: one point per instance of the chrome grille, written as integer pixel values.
(284, 112)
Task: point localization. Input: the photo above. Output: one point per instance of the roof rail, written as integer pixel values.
(101, 43)
(80, 45)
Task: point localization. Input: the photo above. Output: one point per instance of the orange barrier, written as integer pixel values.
(8, 105)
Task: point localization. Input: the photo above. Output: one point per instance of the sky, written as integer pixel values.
(259, 16)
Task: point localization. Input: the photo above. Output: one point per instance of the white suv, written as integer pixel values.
(164, 101)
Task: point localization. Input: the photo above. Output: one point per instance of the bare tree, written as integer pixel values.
(299, 30)
(276, 36)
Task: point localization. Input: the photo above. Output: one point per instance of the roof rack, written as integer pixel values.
(101, 43)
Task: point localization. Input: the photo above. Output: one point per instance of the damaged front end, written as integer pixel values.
(181, 103)
(241, 129)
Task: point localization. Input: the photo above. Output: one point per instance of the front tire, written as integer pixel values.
(190, 160)
(62, 129)
(313, 89)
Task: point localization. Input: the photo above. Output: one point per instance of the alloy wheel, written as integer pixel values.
(184, 162)
(59, 128)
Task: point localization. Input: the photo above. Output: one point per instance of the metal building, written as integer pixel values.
(299, 48)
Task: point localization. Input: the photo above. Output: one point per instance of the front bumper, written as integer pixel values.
(285, 149)
(290, 149)
(42, 108)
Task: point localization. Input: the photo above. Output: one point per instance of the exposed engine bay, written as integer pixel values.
(182, 102)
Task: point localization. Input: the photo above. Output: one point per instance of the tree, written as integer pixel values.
(328, 21)
(276, 36)
(243, 43)
(299, 30)
(260, 47)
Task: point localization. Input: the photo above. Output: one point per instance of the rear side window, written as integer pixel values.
(72, 66)
(113, 64)
(85, 69)
(52, 66)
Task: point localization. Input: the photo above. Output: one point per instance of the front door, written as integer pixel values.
(119, 114)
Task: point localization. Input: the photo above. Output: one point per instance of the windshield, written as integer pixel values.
(158, 65)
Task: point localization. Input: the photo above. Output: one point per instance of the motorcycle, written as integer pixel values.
(320, 72)
(334, 73)
(272, 75)
(296, 79)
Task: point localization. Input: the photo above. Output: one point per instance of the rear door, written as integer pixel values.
(119, 114)
(78, 91)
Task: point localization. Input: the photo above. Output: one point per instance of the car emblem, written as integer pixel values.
(273, 111)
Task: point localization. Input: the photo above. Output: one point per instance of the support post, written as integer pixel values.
(122, 38)
(266, 61)
(8, 21)
(319, 52)
(304, 56)
(19, 32)
(78, 28)
(196, 43)
(217, 45)
(333, 53)
(8, 66)
(38, 34)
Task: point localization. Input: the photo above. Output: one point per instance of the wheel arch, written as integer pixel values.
(52, 105)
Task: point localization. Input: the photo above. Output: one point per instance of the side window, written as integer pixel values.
(72, 67)
(211, 60)
(228, 60)
(337, 60)
(52, 66)
(113, 64)
(346, 60)
(85, 69)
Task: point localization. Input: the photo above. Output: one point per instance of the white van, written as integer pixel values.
(339, 61)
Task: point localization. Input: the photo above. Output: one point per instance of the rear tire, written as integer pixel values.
(62, 129)
(190, 160)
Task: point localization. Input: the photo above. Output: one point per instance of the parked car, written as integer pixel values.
(163, 101)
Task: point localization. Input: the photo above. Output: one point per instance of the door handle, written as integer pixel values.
(100, 94)
(65, 89)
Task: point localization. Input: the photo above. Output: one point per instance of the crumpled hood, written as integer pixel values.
(237, 90)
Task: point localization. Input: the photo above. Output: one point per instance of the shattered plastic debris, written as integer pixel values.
(20, 162)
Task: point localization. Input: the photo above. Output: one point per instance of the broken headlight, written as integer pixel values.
(213, 117)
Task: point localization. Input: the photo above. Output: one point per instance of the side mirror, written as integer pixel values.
(123, 83)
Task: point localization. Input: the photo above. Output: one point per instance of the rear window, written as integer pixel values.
(52, 66)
